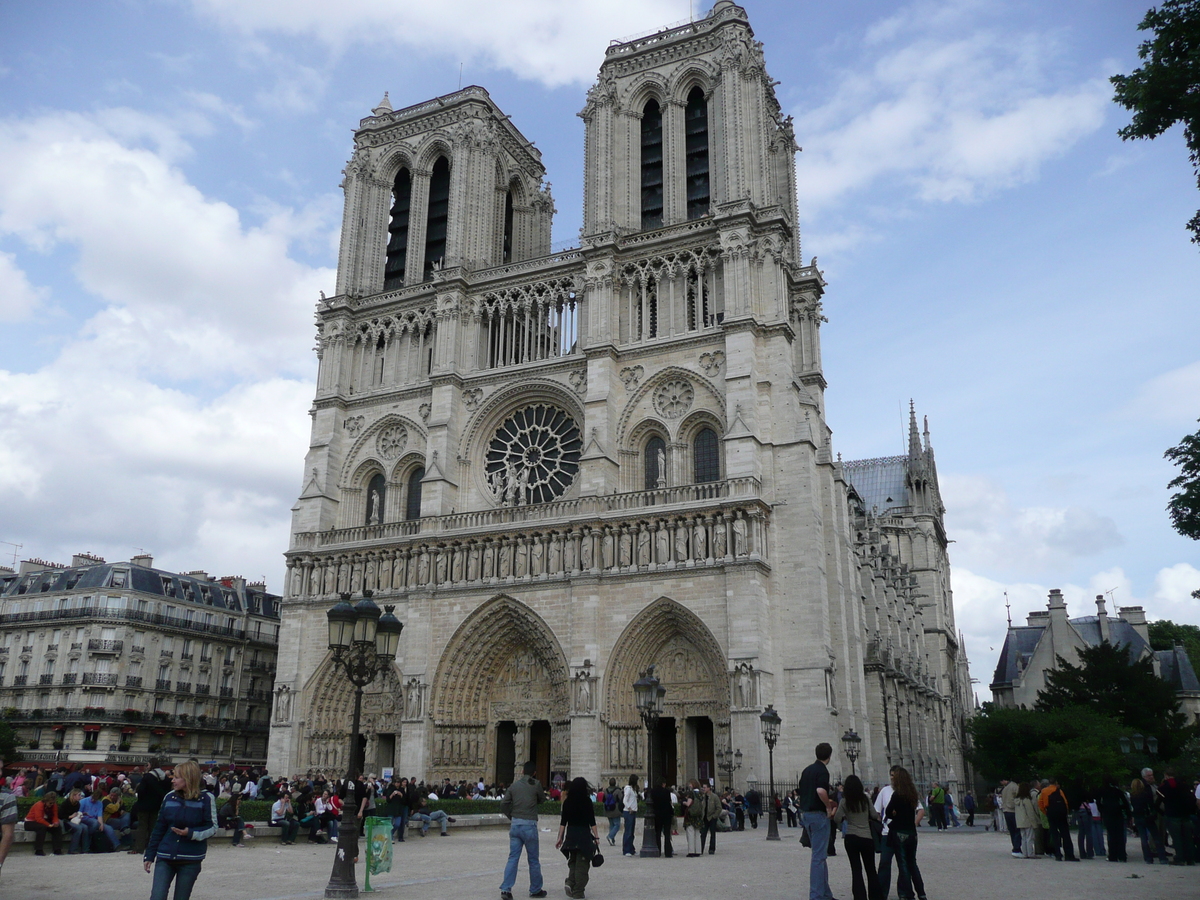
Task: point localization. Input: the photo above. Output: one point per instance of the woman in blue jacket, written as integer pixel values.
(186, 820)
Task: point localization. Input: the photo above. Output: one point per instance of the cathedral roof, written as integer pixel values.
(879, 482)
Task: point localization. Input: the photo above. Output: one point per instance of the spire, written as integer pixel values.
(384, 107)
(914, 438)
(928, 446)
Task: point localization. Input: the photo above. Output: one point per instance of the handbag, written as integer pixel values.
(805, 837)
(597, 860)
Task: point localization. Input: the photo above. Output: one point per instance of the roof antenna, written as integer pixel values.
(1008, 607)
(17, 548)
(460, 68)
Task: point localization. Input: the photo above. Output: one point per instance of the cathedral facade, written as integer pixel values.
(563, 468)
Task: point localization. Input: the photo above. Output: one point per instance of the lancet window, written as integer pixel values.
(652, 166)
(508, 227)
(696, 148)
(706, 456)
(438, 218)
(674, 294)
(655, 464)
(529, 323)
(393, 350)
(412, 499)
(397, 248)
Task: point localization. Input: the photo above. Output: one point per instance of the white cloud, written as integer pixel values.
(1169, 397)
(547, 40)
(946, 110)
(1172, 598)
(18, 298)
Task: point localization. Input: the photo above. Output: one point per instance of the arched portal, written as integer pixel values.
(329, 721)
(691, 665)
(501, 696)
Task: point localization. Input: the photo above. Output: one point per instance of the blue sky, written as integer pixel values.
(169, 210)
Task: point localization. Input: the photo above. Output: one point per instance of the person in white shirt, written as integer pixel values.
(885, 857)
(629, 805)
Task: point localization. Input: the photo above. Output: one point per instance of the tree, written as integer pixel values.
(1184, 505)
(1165, 634)
(8, 742)
(1166, 89)
(1110, 684)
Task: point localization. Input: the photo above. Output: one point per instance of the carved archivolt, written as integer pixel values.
(387, 431)
(503, 662)
(330, 709)
(705, 395)
(688, 660)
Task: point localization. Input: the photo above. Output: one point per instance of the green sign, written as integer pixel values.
(377, 832)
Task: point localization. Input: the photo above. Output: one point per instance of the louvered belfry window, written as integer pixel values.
(397, 248)
(696, 139)
(508, 226)
(439, 215)
(652, 166)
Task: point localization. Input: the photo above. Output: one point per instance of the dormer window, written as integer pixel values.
(397, 248)
(652, 166)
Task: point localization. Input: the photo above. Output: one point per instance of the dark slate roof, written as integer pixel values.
(175, 587)
(1120, 633)
(1176, 669)
(1021, 641)
(879, 482)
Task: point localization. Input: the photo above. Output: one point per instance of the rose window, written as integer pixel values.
(391, 441)
(674, 398)
(534, 456)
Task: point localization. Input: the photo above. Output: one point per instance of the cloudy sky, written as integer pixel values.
(169, 211)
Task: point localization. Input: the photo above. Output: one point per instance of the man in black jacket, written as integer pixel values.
(155, 785)
(664, 817)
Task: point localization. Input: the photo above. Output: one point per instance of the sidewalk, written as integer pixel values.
(961, 864)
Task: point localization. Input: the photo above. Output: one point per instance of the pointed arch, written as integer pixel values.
(689, 663)
(501, 651)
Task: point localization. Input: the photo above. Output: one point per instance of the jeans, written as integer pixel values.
(614, 826)
(289, 828)
(438, 815)
(1150, 840)
(817, 824)
(1083, 824)
(523, 833)
(1061, 831)
(861, 853)
(81, 838)
(708, 832)
(906, 861)
(400, 824)
(1180, 830)
(1098, 837)
(1010, 820)
(627, 846)
(184, 874)
(662, 834)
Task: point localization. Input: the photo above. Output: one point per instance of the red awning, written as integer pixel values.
(128, 729)
(159, 731)
(91, 728)
(59, 728)
(181, 734)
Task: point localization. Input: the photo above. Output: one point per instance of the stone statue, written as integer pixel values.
(555, 561)
(643, 547)
(473, 563)
(412, 709)
(489, 560)
(681, 542)
(718, 541)
(521, 560)
(700, 540)
(536, 556)
(283, 704)
(441, 566)
(739, 537)
(626, 548)
(375, 516)
(385, 573)
(745, 686)
(585, 695)
(456, 565)
(423, 567)
(586, 551)
(510, 484)
(661, 482)
(505, 560)
(662, 544)
(369, 579)
(607, 549)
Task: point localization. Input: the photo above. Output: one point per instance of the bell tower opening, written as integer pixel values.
(652, 166)
(437, 222)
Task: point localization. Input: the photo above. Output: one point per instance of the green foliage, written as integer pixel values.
(1165, 634)
(8, 741)
(1166, 88)
(1184, 505)
(1109, 684)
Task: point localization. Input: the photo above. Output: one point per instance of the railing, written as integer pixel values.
(733, 488)
(134, 648)
(99, 646)
(226, 692)
(99, 678)
(133, 681)
(126, 615)
(183, 687)
(4, 651)
(145, 720)
(186, 656)
(162, 684)
(257, 666)
(205, 659)
(19, 680)
(170, 653)
(69, 677)
(202, 690)
(256, 695)
(28, 649)
(77, 645)
(50, 648)
(46, 679)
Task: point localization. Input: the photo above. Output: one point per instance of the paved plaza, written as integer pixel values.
(962, 864)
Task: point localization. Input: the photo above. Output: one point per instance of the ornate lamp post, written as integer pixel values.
(648, 694)
(770, 731)
(850, 741)
(364, 641)
(729, 761)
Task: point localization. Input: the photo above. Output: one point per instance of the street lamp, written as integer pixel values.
(770, 731)
(729, 761)
(649, 695)
(364, 641)
(1138, 740)
(850, 741)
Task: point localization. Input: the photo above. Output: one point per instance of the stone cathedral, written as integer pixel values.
(562, 468)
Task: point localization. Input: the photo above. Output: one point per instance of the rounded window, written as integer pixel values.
(534, 456)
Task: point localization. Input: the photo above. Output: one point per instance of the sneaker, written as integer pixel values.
(1017, 854)
(451, 819)
(538, 894)
(629, 854)
(506, 895)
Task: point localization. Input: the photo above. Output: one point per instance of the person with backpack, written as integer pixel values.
(612, 811)
(1053, 803)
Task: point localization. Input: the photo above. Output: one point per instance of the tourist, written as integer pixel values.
(1115, 811)
(612, 810)
(1026, 814)
(856, 811)
(753, 806)
(904, 814)
(1146, 802)
(692, 818)
(664, 817)
(8, 820)
(969, 807)
(710, 815)
(937, 807)
(817, 806)
(92, 809)
(520, 805)
(629, 807)
(577, 836)
(283, 817)
(230, 815)
(1008, 805)
(151, 789)
(1053, 803)
(186, 820)
(425, 816)
(1178, 810)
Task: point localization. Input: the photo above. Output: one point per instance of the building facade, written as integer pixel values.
(1032, 650)
(564, 468)
(117, 662)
